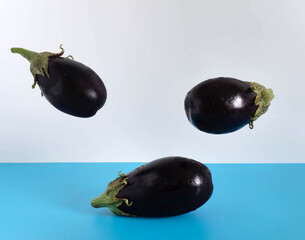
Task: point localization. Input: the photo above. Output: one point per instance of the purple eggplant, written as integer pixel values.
(224, 105)
(68, 85)
(165, 187)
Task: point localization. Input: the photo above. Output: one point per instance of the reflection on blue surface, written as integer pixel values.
(52, 201)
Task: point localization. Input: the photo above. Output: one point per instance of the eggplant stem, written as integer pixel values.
(60, 53)
(125, 181)
(34, 84)
(121, 174)
(39, 61)
(127, 202)
(109, 199)
(251, 124)
(29, 55)
(263, 98)
(70, 56)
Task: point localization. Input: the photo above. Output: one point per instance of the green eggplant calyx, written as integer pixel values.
(109, 199)
(39, 61)
(262, 100)
(70, 56)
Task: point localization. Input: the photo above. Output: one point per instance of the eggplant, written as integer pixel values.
(164, 187)
(68, 85)
(224, 105)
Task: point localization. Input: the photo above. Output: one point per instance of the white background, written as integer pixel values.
(149, 55)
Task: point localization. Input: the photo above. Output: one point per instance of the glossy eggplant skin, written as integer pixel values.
(72, 88)
(167, 187)
(220, 105)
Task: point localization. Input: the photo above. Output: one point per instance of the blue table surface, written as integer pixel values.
(52, 201)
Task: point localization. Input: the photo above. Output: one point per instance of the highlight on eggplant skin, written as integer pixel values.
(164, 187)
(224, 105)
(68, 85)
